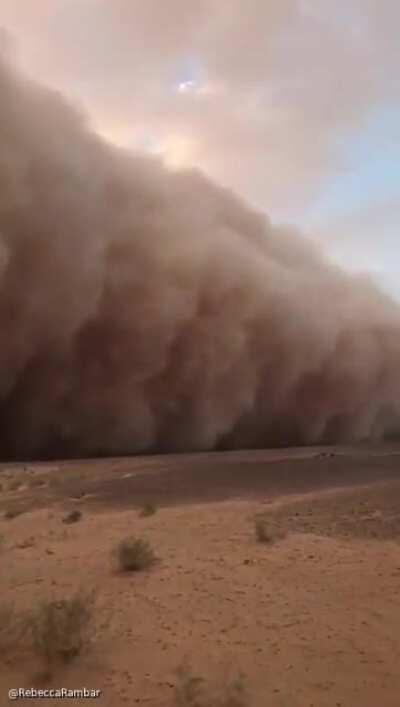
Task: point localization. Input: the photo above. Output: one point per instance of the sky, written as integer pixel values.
(293, 104)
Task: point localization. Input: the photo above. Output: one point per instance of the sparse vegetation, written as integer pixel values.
(266, 532)
(189, 689)
(6, 623)
(58, 631)
(36, 482)
(261, 531)
(11, 513)
(135, 554)
(29, 542)
(78, 494)
(147, 510)
(192, 691)
(12, 629)
(72, 517)
(62, 629)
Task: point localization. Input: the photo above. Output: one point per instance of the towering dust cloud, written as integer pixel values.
(143, 310)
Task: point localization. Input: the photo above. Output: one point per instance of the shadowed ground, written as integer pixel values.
(200, 478)
(312, 618)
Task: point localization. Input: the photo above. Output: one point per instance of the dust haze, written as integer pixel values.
(149, 310)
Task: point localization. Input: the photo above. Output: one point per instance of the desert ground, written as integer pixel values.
(308, 618)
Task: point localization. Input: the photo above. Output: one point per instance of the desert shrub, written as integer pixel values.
(189, 689)
(12, 513)
(61, 629)
(261, 531)
(192, 691)
(13, 627)
(72, 517)
(28, 542)
(135, 554)
(147, 510)
(36, 482)
(266, 532)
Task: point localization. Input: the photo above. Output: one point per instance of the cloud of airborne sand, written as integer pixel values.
(144, 310)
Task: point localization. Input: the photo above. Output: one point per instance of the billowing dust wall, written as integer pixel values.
(147, 310)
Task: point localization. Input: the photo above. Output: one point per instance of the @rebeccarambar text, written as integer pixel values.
(61, 693)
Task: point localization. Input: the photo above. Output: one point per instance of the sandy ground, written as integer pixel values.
(312, 620)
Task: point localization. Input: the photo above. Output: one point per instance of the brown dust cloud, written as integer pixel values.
(145, 310)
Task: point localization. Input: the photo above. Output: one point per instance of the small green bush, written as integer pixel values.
(36, 482)
(267, 532)
(72, 517)
(191, 691)
(135, 554)
(61, 629)
(147, 510)
(13, 627)
(12, 513)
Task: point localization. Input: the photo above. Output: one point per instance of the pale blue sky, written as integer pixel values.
(357, 211)
(372, 174)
